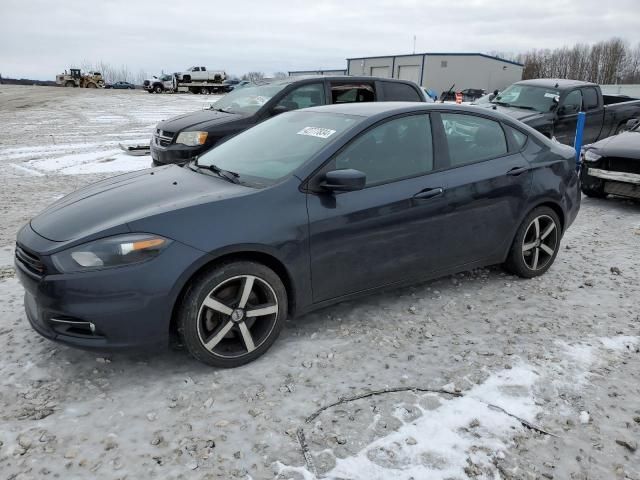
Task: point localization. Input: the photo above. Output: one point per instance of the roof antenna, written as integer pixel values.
(414, 44)
(557, 84)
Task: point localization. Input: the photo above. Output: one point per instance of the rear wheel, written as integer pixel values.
(91, 85)
(536, 244)
(232, 314)
(204, 91)
(70, 84)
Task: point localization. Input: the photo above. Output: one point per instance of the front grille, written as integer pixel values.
(163, 138)
(29, 260)
(146, 83)
(627, 165)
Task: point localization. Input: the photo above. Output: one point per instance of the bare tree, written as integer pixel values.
(280, 75)
(610, 61)
(253, 76)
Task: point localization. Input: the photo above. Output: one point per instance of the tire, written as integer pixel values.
(70, 84)
(91, 85)
(204, 91)
(534, 249)
(233, 327)
(157, 89)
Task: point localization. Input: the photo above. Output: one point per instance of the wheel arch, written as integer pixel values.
(254, 255)
(557, 209)
(553, 205)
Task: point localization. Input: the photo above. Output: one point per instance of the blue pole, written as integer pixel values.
(579, 134)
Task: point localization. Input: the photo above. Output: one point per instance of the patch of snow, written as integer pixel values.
(619, 343)
(444, 441)
(103, 161)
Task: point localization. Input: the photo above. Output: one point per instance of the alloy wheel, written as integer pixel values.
(237, 316)
(540, 242)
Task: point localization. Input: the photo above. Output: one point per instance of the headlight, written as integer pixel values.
(591, 156)
(192, 138)
(110, 252)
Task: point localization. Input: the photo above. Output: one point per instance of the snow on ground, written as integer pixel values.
(561, 351)
(50, 130)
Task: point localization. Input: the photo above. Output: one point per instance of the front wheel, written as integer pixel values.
(536, 244)
(158, 89)
(233, 313)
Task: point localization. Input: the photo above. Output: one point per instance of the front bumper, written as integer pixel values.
(174, 153)
(116, 308)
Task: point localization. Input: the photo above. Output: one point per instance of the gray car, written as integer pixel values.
(306, 209)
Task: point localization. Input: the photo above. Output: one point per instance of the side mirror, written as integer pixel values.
(347, 180)
(633, 123)
(278, 109)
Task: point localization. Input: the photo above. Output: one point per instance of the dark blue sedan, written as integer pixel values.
(301, 211)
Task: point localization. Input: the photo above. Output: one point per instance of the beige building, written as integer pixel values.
(439, 71)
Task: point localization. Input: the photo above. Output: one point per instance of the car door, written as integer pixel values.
(486, 188)
(567, 117)
(388, 231)
(593, 114)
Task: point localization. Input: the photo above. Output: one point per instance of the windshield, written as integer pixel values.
(275, 148)
(528, 97)
(249, 99)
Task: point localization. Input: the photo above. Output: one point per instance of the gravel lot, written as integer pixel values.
(561, 352)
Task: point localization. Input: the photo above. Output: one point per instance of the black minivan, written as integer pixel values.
(182, 138)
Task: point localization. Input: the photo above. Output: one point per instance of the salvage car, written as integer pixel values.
(612, 165)
(180, 139)
(551, 106)
(306, 209)
(120, 85)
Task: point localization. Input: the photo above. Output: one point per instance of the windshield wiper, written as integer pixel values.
(502, 104)
(228, 175)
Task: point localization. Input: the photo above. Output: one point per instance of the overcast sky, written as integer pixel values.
(39, 38)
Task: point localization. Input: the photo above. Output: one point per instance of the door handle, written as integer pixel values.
(428, 193)
(515, 171)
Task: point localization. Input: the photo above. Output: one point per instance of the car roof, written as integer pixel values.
(384, 109)
(555, 83)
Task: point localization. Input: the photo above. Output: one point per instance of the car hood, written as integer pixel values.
(203, 119)
(517, 113)
(112, 203)
(625, 145)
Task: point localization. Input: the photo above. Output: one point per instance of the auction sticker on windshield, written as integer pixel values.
(317, 132)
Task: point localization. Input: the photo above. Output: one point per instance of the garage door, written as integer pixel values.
(380, 72)
(409, 72)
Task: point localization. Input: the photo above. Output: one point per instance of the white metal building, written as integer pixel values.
(438, 71)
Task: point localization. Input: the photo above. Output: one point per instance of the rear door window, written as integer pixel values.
(352, 92)
(518, 137)
(472, 139)
(399, 92)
